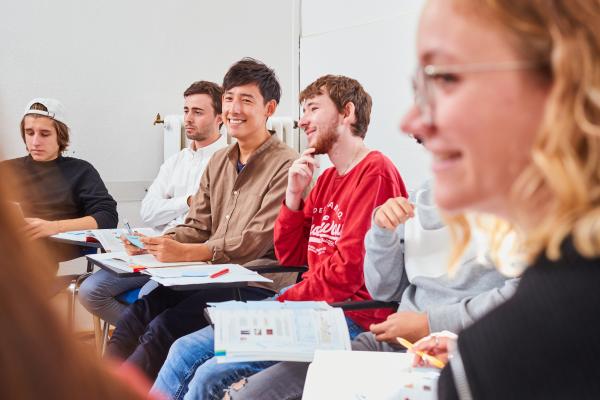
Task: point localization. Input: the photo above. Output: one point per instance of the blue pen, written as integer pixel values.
(127, 226)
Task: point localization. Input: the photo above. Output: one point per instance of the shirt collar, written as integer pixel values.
(234, 150)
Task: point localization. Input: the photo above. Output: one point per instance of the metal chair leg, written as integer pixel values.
(105, 328)
(74, 289)
(71, 305)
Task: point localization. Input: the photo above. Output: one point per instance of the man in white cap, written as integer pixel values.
(56, 193)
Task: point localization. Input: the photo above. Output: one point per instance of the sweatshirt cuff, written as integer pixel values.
(384, 237)
(445, 318)
(288, 214)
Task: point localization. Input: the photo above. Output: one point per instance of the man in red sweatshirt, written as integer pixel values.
(326, 231)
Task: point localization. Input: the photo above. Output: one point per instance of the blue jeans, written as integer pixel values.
(191, 372)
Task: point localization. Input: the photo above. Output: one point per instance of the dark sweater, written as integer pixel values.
(544, 343)
(64, 188)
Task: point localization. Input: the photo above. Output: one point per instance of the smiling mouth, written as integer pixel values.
(309, 132)
(235, 121)
(446, 156)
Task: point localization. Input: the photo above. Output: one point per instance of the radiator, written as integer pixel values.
(174, 135)
(286, 129)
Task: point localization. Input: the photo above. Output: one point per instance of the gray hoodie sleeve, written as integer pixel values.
(384, 263)
(458, 315)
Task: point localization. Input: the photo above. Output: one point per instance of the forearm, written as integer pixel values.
(457, 316)
(384, 263)
(159, 211)
(195, 252)
(76, 224)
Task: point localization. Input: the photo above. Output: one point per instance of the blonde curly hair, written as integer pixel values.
(563, 179)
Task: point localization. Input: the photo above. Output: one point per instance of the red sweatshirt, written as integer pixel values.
(328, 233)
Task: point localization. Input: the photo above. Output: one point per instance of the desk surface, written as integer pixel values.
(93, 245)
(125, 274)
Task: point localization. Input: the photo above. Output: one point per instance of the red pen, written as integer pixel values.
(138, 268)
(219, 273)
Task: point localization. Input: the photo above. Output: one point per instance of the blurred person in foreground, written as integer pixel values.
(39, 357)
(508, 103)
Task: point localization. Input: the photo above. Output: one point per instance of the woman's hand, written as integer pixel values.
(437, 345)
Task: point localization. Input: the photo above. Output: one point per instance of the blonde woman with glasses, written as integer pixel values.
(508, 102)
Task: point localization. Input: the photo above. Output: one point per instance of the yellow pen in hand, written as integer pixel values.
(431, 359)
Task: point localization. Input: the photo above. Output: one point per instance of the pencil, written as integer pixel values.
(431, 359)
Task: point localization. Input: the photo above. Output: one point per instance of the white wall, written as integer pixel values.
(372, 42)
(115, 64)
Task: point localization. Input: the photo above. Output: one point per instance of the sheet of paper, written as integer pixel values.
(204, 270)
(231, 277)
(125, 262)
(78, 236)
(368, 375)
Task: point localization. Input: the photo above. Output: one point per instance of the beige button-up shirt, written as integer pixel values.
(234, 214)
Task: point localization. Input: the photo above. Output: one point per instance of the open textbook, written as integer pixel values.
(367, 375)
(276, 331)
(108, 238)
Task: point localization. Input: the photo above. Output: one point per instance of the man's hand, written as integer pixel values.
(130, 248)
(39, 228)
(407, 324)
(299, 176)
(393, 212)
(164, 248)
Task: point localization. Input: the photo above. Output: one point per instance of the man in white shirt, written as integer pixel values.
(168, 199)
(167, 202)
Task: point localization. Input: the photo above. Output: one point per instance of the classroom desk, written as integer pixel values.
(78, 243)
(124, 274)
(74, 281)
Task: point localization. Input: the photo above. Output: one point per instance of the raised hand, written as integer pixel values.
(300, 175)
(393, 212)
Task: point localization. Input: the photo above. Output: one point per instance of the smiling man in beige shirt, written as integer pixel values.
(231, 220)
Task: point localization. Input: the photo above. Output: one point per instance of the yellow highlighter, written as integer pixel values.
(431, 359)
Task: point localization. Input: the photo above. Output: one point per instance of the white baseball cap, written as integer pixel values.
(56, 110)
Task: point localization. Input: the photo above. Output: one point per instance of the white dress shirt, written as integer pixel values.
(165, 204)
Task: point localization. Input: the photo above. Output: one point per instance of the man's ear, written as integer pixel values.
(219, 119)
(271, 107)
(349, 113)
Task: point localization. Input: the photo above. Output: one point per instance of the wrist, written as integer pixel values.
(292, 200)
(196, 252)
(57, 226)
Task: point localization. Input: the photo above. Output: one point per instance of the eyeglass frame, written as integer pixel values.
(423, 96)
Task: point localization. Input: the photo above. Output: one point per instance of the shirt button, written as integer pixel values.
(235, 192)
(227, 216)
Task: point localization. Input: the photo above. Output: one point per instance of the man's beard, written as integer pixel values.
(198, 135)
(325, 140)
